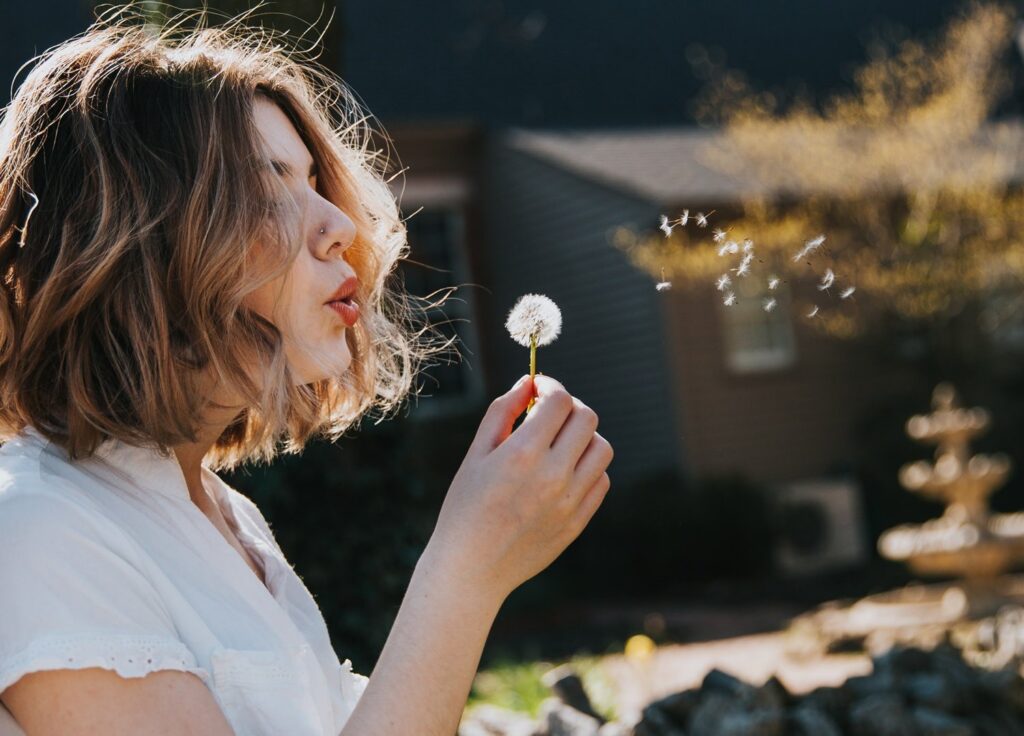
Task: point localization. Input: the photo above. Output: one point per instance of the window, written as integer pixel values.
(755, 339)
(436, 262)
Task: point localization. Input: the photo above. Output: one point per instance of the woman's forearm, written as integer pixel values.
(423, 676)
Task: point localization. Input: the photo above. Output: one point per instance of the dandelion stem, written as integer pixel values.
(533, 366)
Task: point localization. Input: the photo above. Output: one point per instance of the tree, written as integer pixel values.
(907, 176)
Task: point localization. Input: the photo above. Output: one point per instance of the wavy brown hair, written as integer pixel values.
(133, 184)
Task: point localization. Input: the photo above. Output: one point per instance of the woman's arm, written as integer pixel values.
(94, 700)
(424, 673)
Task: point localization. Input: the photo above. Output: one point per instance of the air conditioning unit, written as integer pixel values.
(820, 527)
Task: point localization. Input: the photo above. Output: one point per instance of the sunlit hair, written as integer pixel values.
(131, 165)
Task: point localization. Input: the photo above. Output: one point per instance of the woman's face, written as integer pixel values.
(315, 335)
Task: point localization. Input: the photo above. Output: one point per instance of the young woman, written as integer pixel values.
(194, 247)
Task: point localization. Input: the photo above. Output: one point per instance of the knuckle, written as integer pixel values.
(563, 398)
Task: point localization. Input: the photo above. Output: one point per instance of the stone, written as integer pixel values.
(614, 728)
(561, 720)
(709, 714)
(722, 682)
(499, 722)
(678, 707)
(880, 714)
(936, 723)
(809, 720)
(772, 695)
(753, 723)
(567, 686)
(656, 721)
(929, 689)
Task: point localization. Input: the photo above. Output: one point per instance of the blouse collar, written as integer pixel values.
(142, 466)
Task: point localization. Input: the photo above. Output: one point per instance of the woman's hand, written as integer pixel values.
(521, 497)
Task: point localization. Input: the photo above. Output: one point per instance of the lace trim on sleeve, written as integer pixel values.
(128, 656)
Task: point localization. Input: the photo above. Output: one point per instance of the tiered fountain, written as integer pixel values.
(967, 542)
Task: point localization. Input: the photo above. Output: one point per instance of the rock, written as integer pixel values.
(880, 714)
(832, 701)
(771, 695)
(754, 723)
(678, 707)
(614, 728)
(561, 720)
(936, 723)
(657, 722)
(709, 714)
(497, 721)
(809, 720)
(717, 681)
(929, 689)
(567, 686)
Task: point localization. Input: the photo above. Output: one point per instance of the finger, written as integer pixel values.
(501, 416)
(594, 461)
(575, 434)
(589, 504)
(554, 404)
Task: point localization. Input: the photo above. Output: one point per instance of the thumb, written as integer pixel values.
(501, 416)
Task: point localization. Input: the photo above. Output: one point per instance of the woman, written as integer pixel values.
(194, 255)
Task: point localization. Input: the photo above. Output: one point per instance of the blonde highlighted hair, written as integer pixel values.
(132, 186)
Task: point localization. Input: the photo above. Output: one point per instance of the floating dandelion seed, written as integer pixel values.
(773, 282)
(826, 280)
(719, 235)
(729, 247)
(748, 246)
(685, 218)
(534, 321)
(810, 245)
(702, 219)
(847, 292)
(769, 304)
(665, 226)
(729, 300)
(723, 282)
(813, 312)
(744, 268)
(663, 284)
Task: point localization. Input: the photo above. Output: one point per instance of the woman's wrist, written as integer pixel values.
(450, 573)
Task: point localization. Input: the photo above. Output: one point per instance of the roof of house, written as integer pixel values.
(672, 165)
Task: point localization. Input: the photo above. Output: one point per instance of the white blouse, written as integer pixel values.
(107, 562)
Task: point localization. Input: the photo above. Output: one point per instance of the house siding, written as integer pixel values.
(547, 232)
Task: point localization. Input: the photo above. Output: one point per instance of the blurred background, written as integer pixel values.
(759, 440)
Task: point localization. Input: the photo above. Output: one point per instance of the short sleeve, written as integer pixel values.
(72, 597)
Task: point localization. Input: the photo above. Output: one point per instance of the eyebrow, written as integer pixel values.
(284, 168)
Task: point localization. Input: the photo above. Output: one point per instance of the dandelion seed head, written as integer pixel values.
(685, 218)
(719, 235)
(662, 285)
(847, 292)
(723, 282)
(665, 227)
(773, 282)
(729, 300)
(748, 246)
(702, 219)
(813, 311)
(534, 315)
(826, 280)
(769, 304)
(814, 242)
(729, 247)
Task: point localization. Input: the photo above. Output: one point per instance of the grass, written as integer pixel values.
(517, 685)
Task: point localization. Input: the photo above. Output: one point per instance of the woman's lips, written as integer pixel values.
(347, 309)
